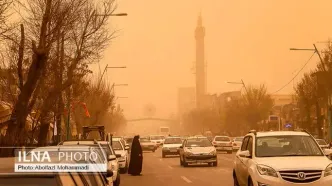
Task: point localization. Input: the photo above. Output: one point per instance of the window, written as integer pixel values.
(244, 144)
(173, 141)
(282, 146)
(117, 145)
(249, 146)
(199, 142)
(222, 138)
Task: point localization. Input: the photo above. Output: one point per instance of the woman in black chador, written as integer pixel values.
(136, 158)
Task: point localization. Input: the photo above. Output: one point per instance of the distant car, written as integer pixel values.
(147, 144)
(223, 143)
(322, 144)
(122, 154)
(157, 139)
(196, 150)
(171, 146)
(237, 142)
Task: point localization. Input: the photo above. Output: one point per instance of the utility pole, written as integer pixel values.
(318, 112)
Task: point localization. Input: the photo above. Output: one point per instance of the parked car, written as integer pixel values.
(223, 143)
(122, 154)
(104, 150)
(198, 150)
(63, 178)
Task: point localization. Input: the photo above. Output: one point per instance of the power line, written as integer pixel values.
(305, 64)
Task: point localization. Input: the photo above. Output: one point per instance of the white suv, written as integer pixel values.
(281, 158)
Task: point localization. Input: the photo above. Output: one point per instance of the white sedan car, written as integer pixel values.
(122, 154)
(237, 142)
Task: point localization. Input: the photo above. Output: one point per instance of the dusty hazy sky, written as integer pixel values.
(244, 39)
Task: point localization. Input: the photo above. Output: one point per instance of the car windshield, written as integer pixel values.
(222, 138)
(173, 141)
(321, 142)
(156, 137)
(238, 139)
(199, 142)
(117, 145)
(279, 146)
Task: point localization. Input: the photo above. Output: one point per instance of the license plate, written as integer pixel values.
(173, 150)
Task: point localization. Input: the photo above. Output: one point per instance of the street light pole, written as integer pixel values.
(102, 75)
(315, 50)
(239, 83)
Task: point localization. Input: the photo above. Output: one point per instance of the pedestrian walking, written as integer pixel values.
(136, 158)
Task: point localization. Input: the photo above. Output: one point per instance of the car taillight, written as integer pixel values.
(214, 142)
(234, 144)
(230, 143)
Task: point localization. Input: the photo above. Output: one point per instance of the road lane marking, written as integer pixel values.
(186, 179)
(170, 167)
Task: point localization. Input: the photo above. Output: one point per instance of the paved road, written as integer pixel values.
(158, 171)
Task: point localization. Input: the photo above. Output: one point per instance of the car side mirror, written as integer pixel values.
(109, 174)
(181, 147)
(127, 148)
(245, 154)
(118, 155)
(111, 157)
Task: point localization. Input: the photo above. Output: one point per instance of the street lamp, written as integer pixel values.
(315, 50)
(239, 83)
(101, 78)
(112, 88)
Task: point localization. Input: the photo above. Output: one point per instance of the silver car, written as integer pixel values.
(198, 150)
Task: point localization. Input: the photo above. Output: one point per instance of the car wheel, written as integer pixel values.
(236, 183)
(163, 155)
(215, 164)
(153, 150)
(229, 152)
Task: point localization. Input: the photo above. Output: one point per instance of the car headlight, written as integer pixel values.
(328, 170)
(267, 171)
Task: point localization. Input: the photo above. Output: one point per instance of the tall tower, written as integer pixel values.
(200, 63)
